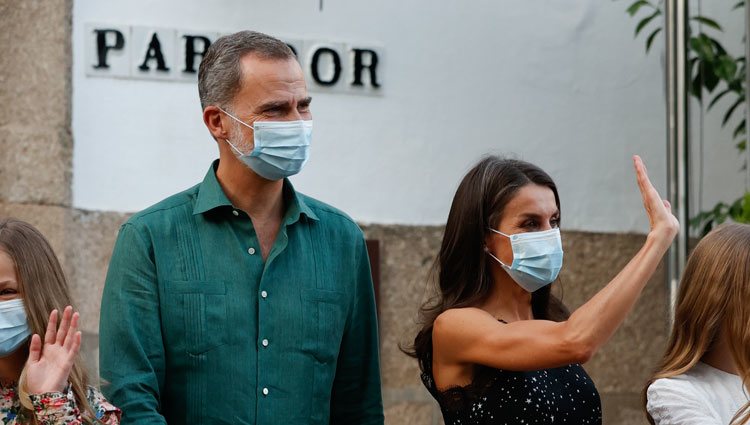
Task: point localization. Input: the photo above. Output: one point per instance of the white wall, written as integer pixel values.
(560, 84)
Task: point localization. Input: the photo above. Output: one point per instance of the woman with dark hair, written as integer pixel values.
(496, 347)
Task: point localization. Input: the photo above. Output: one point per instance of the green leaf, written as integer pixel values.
(720, 50)
(633, 9)
(745, 216)
(717, 97)
(739, 5)
(717, 211)
(740, 129)
(696, 86)
(707, 22)
(741, 146)
(710, 79)
(731, 109)
(700, 218)
(736, 85)
(740, 209)
(691, 64)
(706, 219)
(725, 68)
(651, 37)
(702, 46)
(645, 22)
(735, 210)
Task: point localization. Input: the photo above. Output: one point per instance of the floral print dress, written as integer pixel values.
(55, 408)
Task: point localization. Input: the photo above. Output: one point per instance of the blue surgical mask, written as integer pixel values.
(537, 258)
(280, 150)
(14, 328)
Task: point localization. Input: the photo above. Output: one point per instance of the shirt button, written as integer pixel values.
(264, 294)
(265, 391)
(235, 213)
(265, 343)
(251, 251)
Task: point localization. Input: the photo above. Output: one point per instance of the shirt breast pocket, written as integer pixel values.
(195, 315)
(325, 318)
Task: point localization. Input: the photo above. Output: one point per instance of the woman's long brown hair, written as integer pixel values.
(43, 288)
(714, 294)
(463, 271)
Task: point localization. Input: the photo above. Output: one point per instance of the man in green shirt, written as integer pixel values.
(241, 301)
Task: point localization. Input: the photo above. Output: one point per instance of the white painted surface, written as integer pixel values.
(560, 84)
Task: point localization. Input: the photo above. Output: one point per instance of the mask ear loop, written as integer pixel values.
(487, 250)
(498, 232)
(234, 147)
(239, 121)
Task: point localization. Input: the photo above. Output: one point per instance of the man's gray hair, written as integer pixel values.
(220, 73)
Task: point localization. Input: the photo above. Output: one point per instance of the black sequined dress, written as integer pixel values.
(564, 395)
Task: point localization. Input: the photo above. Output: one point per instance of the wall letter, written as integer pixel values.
(102, 47)
(359, 66)
(336, 66)
(154, 52)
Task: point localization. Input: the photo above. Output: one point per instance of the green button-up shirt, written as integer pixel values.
(197, 329)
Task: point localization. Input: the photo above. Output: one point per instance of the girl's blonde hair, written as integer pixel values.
(43, 288)
(714, 295)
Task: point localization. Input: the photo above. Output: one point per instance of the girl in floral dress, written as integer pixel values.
(42, 380)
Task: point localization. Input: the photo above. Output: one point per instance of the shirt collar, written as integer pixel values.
(212, 196)
(210, 193)
(296, 204)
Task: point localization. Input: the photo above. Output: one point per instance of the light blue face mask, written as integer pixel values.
(537, 258)
(280, 150)
(14, 328)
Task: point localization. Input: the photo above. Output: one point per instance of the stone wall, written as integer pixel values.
(35, 185)
(35, 102)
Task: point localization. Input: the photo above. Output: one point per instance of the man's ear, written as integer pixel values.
(213, 118)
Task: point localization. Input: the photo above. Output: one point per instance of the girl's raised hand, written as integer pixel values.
(49, 364)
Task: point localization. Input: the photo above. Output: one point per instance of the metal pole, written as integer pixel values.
(676, 18)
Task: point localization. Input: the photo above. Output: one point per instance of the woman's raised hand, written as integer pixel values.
(48, 366)
(663, 223)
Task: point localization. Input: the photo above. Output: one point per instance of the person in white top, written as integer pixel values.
(700, 378)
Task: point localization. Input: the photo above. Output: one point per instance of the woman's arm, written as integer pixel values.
(471, 335)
